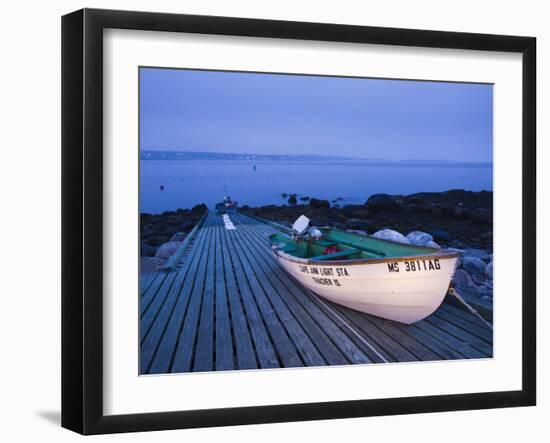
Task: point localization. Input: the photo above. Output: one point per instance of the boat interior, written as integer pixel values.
(341, 245)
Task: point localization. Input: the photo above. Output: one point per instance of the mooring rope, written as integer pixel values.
(345, 323)
(455, 294)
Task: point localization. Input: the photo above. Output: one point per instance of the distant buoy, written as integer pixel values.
(162, 187)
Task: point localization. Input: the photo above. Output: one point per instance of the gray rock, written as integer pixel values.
(151, 264)
(489, 271)
(462, 279)
(178, 236)
(477, 253)
(166, 250)
(391, 235)
(473, 265)
(419, 238)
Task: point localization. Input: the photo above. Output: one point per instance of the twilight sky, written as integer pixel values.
(189, 110)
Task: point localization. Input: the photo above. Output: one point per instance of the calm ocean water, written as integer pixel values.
(187, 183)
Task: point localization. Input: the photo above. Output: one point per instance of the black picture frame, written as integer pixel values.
(82, 215)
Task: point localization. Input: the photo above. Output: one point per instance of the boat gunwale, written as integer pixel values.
(363, 261)
(437, 253)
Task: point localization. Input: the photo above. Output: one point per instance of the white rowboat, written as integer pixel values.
(400, 282)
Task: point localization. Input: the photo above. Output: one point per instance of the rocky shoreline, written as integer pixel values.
(162, 234)
(455, 218)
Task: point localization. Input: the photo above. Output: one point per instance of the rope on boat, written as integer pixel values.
(455, 294)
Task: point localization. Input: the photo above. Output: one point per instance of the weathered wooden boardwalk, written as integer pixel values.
(228, 305)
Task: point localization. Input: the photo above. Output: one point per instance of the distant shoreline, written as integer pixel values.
(146, 155)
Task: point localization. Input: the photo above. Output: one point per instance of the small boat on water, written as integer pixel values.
(226, 206)
(400, 282)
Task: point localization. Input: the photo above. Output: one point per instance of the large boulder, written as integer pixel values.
(391, 235)
(381, 202)
(151, 264)
(473, 265)
(318, 203)
(419, 238)
(462, 279)
(166, 250)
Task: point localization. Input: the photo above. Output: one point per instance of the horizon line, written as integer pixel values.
(313, 155)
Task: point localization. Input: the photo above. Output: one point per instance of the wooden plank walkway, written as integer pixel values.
(229, 305)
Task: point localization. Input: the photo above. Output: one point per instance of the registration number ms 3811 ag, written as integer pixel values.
(415, 265)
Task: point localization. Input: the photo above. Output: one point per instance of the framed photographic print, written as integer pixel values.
(270, 221)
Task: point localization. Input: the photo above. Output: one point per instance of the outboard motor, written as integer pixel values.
(301, 229)
(300, 226)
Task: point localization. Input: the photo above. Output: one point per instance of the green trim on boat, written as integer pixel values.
(349, 246)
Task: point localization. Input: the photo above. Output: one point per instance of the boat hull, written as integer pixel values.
(407, 289)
